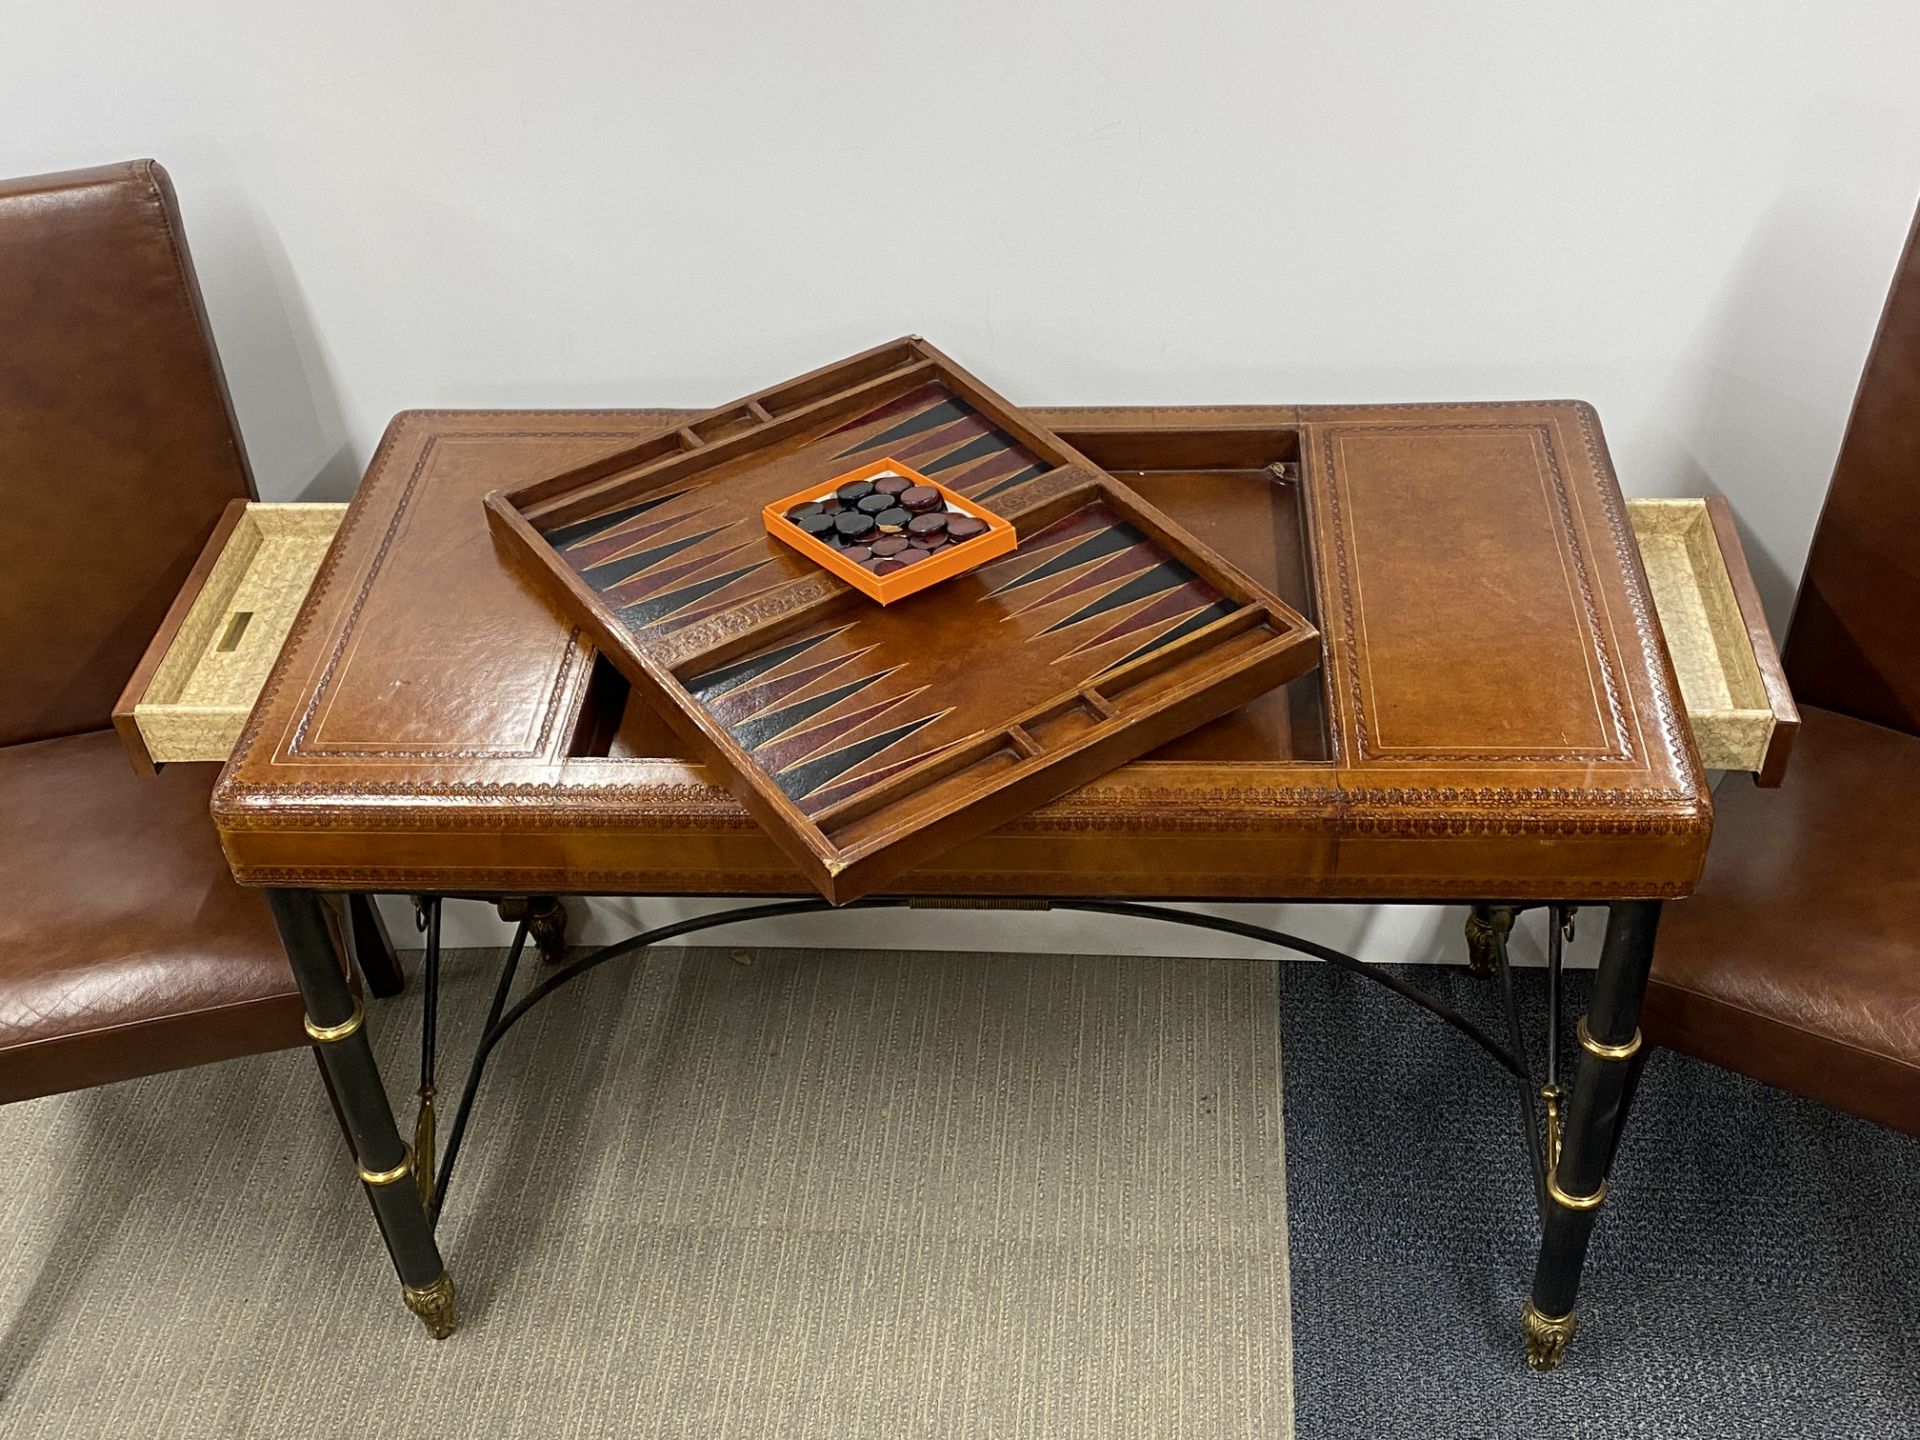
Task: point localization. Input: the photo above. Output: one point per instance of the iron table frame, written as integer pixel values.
(1570, 1153)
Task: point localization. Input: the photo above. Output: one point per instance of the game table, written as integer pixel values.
(1495, 719)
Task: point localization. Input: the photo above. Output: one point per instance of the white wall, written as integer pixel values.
(1684, 213)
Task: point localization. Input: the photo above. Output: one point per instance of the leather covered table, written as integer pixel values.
(1495, 720)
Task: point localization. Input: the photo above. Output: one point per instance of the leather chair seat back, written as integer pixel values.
(118, 448)
(1854, 644)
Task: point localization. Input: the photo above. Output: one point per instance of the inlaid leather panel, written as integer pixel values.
(499, 683)
(1457, 574)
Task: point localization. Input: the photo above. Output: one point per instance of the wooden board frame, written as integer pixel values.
(1028, 755)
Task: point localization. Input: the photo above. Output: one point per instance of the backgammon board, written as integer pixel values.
(867, 738)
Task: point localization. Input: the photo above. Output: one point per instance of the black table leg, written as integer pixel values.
(372, 951)
(335, 1021)
(1609, 1036)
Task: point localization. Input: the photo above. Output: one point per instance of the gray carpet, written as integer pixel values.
(815, 1195)
(873, 1195)
(1755, 1272)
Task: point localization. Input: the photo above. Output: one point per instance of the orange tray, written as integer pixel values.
(944, 564)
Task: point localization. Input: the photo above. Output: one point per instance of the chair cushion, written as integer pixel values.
(125, 946)
(1798, 960)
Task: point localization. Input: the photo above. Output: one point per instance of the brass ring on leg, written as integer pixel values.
(388, 1177)
(1604, 1051)
(332, 1034)
(1576, 1202)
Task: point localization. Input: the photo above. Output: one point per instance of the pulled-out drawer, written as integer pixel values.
(195, 686)
(1738, 704)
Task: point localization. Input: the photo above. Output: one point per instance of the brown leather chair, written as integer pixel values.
(125, 946)
(1798, 960)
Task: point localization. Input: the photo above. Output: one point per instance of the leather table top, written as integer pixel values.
(1501, 718)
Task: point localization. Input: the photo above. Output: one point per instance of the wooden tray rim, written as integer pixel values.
(842, 874)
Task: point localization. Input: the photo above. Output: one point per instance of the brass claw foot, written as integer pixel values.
(1482, 959)
(433, 1304)
(546, 921)
(1547, 1336)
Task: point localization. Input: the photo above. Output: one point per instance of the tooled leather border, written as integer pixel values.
(1138, 809)
(1665, 689)
(1200, 886)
